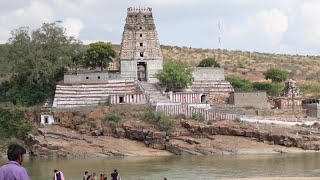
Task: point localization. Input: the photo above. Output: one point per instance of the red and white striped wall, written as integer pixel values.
(188, 111)
(127, 99)
(186, 98)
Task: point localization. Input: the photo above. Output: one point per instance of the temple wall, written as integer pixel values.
(86, 78)
(127, 99)
(208, 74)
(313, 110)
(153, 66)
(249, 99)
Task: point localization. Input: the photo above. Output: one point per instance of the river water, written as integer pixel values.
(180, 167)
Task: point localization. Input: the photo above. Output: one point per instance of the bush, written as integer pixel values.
(209, 62)
(12, 123)
(272, 89)
(161, 119)
(240, 84)
(276, 75)
(197, 117)
(310, 88)
(149, 115)
(113, 117)
(92, 125)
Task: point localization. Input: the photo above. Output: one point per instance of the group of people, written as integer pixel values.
(13, 169)
(114, 176)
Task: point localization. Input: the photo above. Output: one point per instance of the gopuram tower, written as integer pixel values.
(140, 54)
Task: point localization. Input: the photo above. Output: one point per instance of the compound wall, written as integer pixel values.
(249, 99)
(208, 74)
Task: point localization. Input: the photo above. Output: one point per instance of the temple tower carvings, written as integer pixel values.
(140, 54)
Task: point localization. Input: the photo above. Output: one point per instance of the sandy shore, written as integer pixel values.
(281, 178)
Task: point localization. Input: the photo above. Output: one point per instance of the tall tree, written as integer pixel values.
(175, 75)
(39, 59)
(99, 55)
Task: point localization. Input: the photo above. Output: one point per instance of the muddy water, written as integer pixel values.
(180, 167)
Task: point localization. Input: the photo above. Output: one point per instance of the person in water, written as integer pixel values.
(58, 175)
(93, 177)
(13, 169)
(115, 175)
(85, 175)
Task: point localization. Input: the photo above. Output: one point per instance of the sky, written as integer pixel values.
(272, 26)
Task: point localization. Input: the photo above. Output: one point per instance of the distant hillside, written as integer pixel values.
(249, 65)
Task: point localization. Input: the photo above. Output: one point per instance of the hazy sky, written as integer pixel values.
(276, 26)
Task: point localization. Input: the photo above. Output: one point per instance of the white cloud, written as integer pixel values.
(272, 23)
(32, 15)
(73, 26)
(310, 13)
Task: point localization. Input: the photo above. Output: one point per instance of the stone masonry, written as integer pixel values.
(140, 55)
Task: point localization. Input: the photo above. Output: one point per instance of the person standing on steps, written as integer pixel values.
(13, 169)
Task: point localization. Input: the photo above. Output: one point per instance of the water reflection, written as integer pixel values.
(180, 167)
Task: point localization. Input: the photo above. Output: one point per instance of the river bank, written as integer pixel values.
(92, 133)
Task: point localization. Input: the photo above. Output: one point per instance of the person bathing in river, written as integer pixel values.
(93, 177)
(115, 175)
(58, 175)
(85, 175)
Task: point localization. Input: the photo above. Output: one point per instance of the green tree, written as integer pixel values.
(209, 62)
(38, 59)
(276, 75)
(175, 75)
(99, 55)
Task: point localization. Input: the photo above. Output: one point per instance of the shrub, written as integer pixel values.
(240, 84)
(209, 62)
(161, 119)
(310, 87)
(272, 89)
(197, 117)
(12, 123)
(276, 75)
(92, 125)
(113, 117)
(148, 115)
(167, 124)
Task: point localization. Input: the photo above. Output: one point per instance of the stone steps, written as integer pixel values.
(78, 95)
(154, 94)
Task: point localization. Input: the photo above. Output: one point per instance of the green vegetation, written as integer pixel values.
(113, 117)
(197, 117)
(311, 88)
(175, 75)
(209, 62)
(99, 55)
(12, 122)
(240, 84)
(161, 119)
(276, 75)
(272, 89)
(38, 59)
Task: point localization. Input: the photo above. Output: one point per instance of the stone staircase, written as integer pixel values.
(79, 95)
(152, 93)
